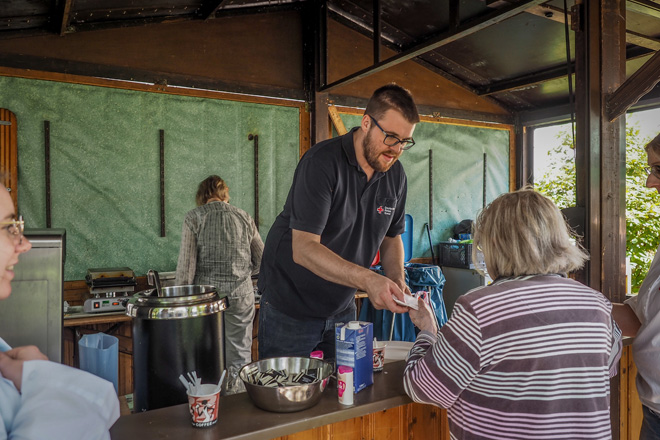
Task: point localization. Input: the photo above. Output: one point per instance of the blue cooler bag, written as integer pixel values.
(430, 278)
(418, 277)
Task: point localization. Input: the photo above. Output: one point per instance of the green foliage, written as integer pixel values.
(642, 204)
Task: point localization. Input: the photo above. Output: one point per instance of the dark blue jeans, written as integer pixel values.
(650, 425)
(281, 335)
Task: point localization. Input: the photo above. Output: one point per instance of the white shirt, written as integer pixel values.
(646, 346)
(56, 402)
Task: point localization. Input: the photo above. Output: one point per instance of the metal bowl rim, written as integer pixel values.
(314, 383)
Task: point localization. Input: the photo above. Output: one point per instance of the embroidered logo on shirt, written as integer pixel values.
(385, 210)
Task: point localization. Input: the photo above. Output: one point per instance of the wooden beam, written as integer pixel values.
(66, 16)
(321, 128)
(36, 63)
(644, 7)
(523, 81)
(639, 84)
(523, 142)
(454, 14)
(441, 65)
(468, 28)
(336, 120)
(377, 30)
(208, 9)
(553, 73)
(642, 40)
(557, 14)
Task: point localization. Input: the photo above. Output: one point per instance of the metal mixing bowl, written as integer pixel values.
(289, 398)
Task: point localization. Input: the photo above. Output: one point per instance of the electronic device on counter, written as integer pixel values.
(108, 286)
(94, 305)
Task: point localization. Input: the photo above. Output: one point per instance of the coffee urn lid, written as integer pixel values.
(177, 302)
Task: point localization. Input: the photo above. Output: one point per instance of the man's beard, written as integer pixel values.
(371, 154)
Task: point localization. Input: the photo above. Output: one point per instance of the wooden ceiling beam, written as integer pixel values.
(65, 13)
(634, 88)
(544, 76)
(208, 9)
(642, 40)
(557, 14)
(465, 29)
(644, 7)
(433, 61)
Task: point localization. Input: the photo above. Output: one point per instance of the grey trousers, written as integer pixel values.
(238, 340)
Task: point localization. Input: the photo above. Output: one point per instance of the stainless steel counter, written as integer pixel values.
(240, 419)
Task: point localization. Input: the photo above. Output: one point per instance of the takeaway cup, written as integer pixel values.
(203, 403)
(379, 355)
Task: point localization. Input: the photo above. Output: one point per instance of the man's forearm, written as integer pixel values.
(391, 259)
(626, 319)
(323, 262)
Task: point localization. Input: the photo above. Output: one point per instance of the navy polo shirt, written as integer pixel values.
(330, 197)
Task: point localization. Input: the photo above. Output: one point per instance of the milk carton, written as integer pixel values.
(354, 342)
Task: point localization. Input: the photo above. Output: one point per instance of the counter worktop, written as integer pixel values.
(240, 419)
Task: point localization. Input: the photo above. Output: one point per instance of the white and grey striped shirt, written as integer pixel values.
(523, 358)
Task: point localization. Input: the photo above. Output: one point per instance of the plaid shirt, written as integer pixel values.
(220, 246)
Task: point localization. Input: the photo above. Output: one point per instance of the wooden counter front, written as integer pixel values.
(382, 410)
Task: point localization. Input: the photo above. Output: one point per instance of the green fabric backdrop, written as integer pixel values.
(458, 154)
(105, 167)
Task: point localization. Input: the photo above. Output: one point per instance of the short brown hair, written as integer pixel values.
(654, 145)
(392, 97)
(212, 187)
(524, 233)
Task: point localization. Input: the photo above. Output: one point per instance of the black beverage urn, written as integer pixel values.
(179, 331)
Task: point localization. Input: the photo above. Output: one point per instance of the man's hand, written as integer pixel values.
(423, 317)
(11, 362)
(380, 290)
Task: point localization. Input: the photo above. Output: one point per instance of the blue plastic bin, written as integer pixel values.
(99, 355)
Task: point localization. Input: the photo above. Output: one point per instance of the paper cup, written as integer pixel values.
(203, 405)
(379, 355)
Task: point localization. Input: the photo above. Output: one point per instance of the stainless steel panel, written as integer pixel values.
(459, 282)
(32, 315)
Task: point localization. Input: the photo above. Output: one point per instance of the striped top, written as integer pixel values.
(524, 358)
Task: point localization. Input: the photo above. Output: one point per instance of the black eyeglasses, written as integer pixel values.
(655, 170)
(392, 141)
(14, 227)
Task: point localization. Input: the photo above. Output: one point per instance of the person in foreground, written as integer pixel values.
(639, 317)
(221, 246)
(531, 354)
(41, 399)
(346, 202)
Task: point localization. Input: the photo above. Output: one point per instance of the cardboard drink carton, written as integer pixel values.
(354, 345)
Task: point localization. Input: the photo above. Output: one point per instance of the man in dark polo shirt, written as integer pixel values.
(346, 202)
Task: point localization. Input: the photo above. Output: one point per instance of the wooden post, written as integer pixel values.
(600, 152)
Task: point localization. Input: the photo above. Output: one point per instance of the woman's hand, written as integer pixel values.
(423, 318)
(11, 362)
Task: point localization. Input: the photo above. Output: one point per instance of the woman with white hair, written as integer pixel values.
(531, 354)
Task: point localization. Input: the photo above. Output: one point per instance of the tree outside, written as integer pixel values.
(642, 204)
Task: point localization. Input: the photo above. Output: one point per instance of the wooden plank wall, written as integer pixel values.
(407, 422)
(9, 149)
(631, 407)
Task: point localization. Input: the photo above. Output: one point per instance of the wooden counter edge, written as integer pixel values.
(387, 393)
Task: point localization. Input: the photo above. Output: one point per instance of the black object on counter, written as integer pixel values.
(180, 331)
